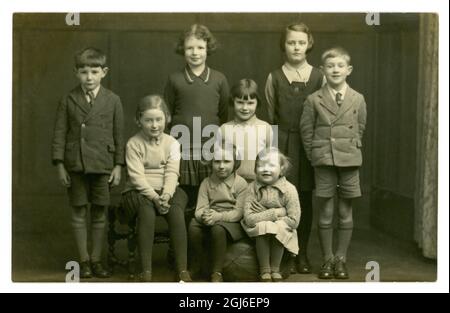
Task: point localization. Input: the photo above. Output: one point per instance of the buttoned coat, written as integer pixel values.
(86, 139)
(332, 135)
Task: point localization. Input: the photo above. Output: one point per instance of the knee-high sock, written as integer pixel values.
(304, 228)
(219, 247)
(276, 254)
(78, 221)
(98, 221)
(146, 234)
(263, 253)
(345, 231)
(326, 227)
(178, 237)
(326, 240)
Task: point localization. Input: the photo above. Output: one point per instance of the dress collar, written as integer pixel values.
(301, 74)
(214, 181)
(280, 184)
(190, 76)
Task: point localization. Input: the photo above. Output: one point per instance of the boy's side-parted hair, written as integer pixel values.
(297, 27)
(245, 88)
(336, 52)
(285, 164)
(91, 57)
(153, 102)
(200, 32)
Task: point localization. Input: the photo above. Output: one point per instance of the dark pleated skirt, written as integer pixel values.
(193, 172)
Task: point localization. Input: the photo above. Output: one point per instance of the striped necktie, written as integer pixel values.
(91, 97)
(339, 99)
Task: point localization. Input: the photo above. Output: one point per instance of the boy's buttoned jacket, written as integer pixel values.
(89, 140)
(331, 134)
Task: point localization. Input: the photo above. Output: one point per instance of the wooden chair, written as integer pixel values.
(116, 218)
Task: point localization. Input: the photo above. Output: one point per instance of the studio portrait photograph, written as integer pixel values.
(225, 147)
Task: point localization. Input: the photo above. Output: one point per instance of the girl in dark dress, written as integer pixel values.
(286, 90)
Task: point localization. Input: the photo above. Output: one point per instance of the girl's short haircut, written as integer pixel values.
(200, 32)
(297, 27)
(227, 147)
(153, 102)
(336, 52)
(245, 88)
(91, 57)
(285, 164)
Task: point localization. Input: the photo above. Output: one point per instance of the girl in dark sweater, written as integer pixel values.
(197, 96)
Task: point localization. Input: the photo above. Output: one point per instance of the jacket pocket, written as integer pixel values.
(108, 156)
(320, 149)
(318, 143)
(71, 154)
(111, 148)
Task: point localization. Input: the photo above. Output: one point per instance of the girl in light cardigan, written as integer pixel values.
(153, 162)
(272, 213)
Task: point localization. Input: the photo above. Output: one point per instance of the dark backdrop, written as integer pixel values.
(141, 55)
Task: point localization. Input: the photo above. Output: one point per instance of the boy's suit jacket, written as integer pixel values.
(331, 134)
(89, 140)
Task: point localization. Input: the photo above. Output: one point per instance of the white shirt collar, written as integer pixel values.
(297, 75)
(333, 92)
(95, 91)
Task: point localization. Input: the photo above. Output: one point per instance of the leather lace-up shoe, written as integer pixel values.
(340, 270)
(327, 270)
(99, 271)
(184, 277)
(302, 265)
(85, 270)
(216, 277)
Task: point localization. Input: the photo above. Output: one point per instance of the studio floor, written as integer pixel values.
(43, 259)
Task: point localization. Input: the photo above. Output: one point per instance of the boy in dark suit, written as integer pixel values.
(88, 152)
(332, 126)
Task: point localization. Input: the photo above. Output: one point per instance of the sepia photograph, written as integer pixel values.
(225, 147)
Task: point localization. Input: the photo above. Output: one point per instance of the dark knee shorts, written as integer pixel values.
(332, 178)
(89, 188)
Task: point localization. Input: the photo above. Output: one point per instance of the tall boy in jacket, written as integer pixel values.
(88, 151)
(332, 127)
